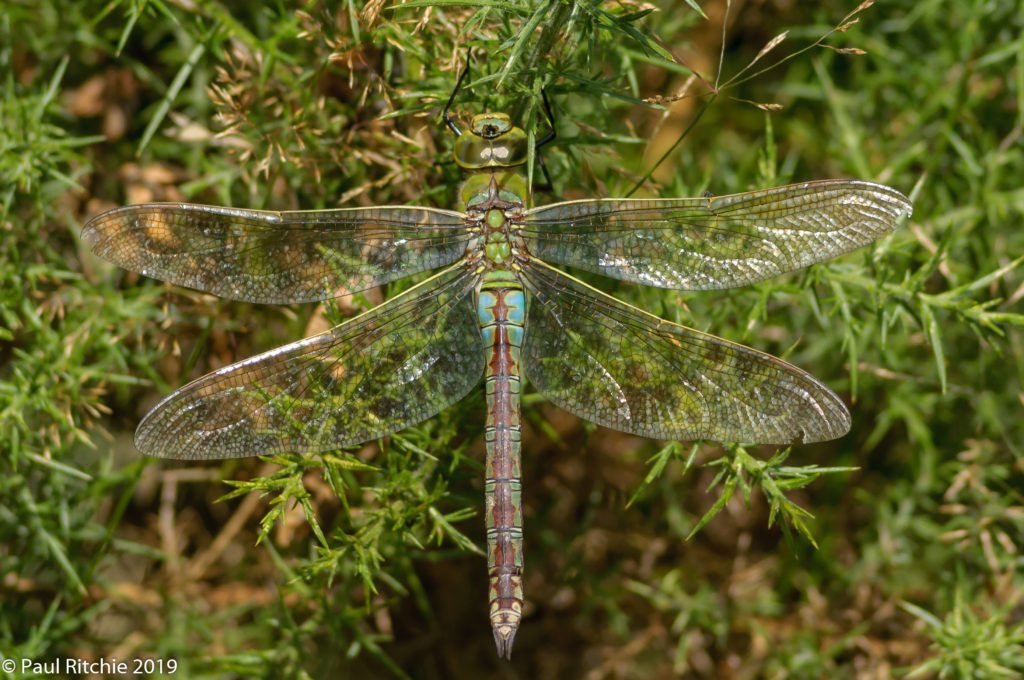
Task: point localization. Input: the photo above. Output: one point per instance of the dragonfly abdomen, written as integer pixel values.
(501, 306)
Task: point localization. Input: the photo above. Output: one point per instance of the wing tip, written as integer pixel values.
(903, 207)
(834, 422)
(93, 231)
(145, 444)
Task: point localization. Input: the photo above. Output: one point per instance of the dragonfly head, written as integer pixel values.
(490, 125)
(491, 142)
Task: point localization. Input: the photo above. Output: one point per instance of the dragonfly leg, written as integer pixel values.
(551, 121)
(547, 186)
(446, 115)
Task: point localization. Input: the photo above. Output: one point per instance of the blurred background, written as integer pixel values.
(893, 551)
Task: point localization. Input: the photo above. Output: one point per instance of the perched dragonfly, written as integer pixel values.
(424, 349)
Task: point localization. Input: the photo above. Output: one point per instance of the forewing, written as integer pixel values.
(277, 257)
(714, 242)
(396, 365)
(618, 366)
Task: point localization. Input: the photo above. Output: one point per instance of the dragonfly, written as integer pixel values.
(499, 309)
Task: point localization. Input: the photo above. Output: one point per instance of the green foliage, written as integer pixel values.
(906, 554)
(971, 644)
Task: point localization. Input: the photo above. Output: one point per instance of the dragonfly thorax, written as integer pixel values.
(503, 189)
(498, 247)
(493, 202)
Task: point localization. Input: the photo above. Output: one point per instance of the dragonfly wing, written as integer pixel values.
(277, 257)
(621, 367)
(396, 365)
(714, 242)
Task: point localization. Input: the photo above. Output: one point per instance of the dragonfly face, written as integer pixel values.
(420, 351)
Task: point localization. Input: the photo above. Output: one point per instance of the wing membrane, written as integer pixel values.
(277, 257)
(396, 365)
(621, 367)
(715, 242)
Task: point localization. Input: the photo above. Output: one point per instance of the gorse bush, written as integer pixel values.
(892, 551)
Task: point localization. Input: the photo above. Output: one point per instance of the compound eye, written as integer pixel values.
(491, 125)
